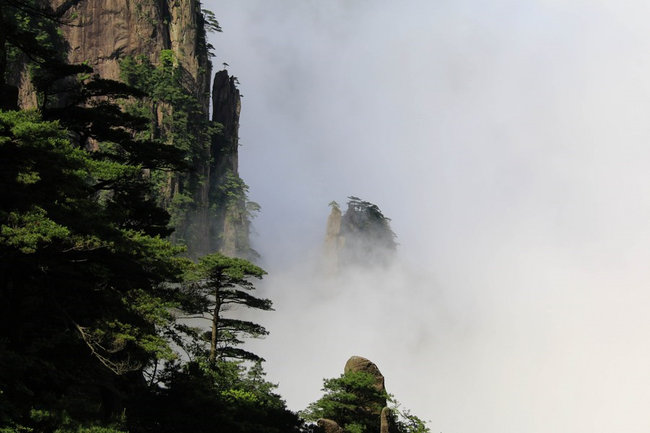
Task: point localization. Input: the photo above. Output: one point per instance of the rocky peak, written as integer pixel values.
(358, 363)
(361, 364)
(359, 237)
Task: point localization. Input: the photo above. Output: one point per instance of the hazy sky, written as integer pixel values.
(509, 143)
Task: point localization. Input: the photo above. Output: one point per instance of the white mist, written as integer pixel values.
(509, 143)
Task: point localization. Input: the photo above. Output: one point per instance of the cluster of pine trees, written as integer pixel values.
(98, 309)
(95, 300)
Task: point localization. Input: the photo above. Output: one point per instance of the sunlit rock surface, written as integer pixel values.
(358, 363)
(101, 33)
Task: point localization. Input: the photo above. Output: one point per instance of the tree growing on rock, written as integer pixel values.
(359, 237)
(356, 402)
(368, 236)
(352, 400)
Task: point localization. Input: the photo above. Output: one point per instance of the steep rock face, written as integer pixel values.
(232, 221)
(102, 33)
(226, 107)
(106, 31)
(187, 40)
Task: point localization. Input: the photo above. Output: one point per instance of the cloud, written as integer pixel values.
(508, 142)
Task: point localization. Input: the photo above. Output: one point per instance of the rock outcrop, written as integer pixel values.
(329, 426)
(360, 364)
(359, 237)
(333, 240)
(230, 221)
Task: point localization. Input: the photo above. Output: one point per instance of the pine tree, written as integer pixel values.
(217, 284)
(81, 294)
(355, 402)
(352, 400)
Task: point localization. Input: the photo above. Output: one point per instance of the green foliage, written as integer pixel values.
(175, 117)
(406, 422)
(166, 89)
(216, 285)
(233, 192)
(31, 36)
(86, 272)
(237, 211)
(211, 23)
(88, 278)
(26, 231)
(207, 397)
(352, 400)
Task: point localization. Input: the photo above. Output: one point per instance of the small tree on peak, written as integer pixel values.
(369, 239)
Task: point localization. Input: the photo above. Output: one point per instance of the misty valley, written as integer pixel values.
(317, 216)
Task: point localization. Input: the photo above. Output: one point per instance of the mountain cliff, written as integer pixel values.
(207, 202)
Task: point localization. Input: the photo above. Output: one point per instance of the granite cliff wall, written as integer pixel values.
(101, 33)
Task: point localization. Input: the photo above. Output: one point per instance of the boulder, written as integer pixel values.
(329, 426)
(358, 363)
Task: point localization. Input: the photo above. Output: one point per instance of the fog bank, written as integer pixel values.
(508, 141)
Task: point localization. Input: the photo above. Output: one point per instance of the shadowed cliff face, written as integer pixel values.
(102, 33)
(232, 222)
